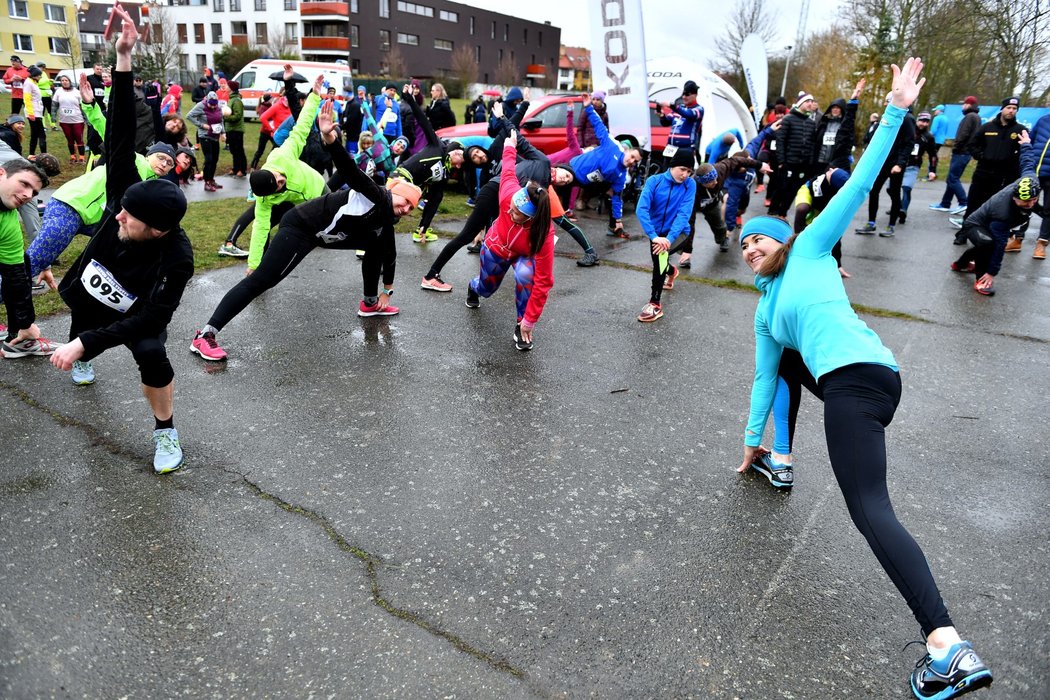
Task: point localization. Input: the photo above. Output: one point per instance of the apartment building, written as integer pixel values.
(371, 35)
(40, 31)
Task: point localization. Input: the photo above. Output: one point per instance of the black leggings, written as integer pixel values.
(893, 189)
(790, 178)
(658, 276)
(486, 209)
(715, 217)
(18, 297)
(235, 141)
(263, 140)
(210, 149)
(294, 240)
(981, 252)
(37, 135)
(149, 353)
(859, 402)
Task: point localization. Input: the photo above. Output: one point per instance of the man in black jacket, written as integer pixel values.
(997, 149)
(125, 286)
(796, 150)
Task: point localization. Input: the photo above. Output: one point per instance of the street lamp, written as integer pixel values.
(787, 63)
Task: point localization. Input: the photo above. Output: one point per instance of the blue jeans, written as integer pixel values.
(954, 183)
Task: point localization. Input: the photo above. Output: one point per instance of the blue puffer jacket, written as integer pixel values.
(1041, 146)
(603, 164)
(665, 206)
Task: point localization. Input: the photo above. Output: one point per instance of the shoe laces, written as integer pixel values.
(209, 340)
(925, 659)
(165, 442)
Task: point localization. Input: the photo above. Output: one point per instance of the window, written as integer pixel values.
(408, 39)
(235, 5)
(493, 35)
(184, 38)
(448, 16)
(506, 32)
(384, 39)
(384, 8)
(55, 13)
(261, 37)
(291, 30)
(198, 34)
(472, 25)
(202, 62)
(184, 61)
(216, 33)
(19, 9)
(59, 46)
(414, 8)
(218, 5)
(353, 6)
(291, 4)
(553, 116)
(260, 5)
(355, 66)
(247, 80)
(355, 36)
(477, 54)
(539, 38)
(525, 36)
(238, 28)
(501, 55)
(443, 44)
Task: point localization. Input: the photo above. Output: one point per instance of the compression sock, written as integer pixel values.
(162, 424)
(209, 329)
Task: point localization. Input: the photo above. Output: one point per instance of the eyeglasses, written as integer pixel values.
(164, 160)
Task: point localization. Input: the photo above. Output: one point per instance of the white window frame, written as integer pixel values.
(448, 16)
(49, 8)
(407, 39)
(12, 5)
(292, 30)
(450, 47)
(51, 45)
(22, 47)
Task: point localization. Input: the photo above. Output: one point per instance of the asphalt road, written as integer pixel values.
(408, 507)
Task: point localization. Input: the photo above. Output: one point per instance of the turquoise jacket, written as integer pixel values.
(805, 307)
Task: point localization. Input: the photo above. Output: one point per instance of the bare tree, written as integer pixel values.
(818, 67)
(70, 34)
(507, 72)
(160, 47)
(280, 45)
(396, 65)
(750, 17)
(464, 67)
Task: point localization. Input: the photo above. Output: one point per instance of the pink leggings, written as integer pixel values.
(74, 137)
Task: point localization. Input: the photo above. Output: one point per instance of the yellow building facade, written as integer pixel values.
(38, 31)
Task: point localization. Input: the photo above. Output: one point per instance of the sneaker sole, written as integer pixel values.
(650, 320)
(168, 470)
(10, 354)
(435, 289)
(195, 351)
(84, 382)
(369, 314)
(232, 255)
(473, 305)
(981, 679)
(769, 475)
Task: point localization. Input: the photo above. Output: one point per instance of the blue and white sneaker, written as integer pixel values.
(83, 373)
(780, 475)
(168, 454)
(940, 207)
(958, 673)
(960, 209)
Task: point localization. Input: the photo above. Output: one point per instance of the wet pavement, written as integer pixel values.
(408, 507)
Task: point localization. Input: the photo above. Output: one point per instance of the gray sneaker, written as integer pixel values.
(588, 260)
(167, 457)
(40, 346)
(232, 251)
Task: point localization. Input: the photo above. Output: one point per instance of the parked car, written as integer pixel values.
(544, 125)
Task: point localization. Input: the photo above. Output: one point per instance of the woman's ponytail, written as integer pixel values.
(541, 222)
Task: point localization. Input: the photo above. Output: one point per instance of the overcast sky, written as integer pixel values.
(685, 28)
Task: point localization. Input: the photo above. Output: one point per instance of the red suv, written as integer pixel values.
(544, 125)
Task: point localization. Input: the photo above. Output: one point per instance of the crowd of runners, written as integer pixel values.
(341, 175)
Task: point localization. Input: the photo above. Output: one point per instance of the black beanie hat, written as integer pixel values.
(262, 182)
(683, 157)
(690, 88)
(157, 203)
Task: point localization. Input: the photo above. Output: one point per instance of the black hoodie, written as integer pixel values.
(836, 136)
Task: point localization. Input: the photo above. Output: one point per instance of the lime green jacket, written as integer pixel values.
(87, 193)
(303, 182)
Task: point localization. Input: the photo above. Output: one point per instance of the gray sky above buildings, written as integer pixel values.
(664, 21)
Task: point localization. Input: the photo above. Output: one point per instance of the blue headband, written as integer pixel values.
(523, 204)
(708, 177)
(769, 226)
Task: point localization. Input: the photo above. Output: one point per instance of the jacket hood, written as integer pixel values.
(513, 95)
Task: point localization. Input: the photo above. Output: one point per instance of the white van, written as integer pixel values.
(254, 79)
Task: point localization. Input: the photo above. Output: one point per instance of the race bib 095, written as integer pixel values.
(100, 283)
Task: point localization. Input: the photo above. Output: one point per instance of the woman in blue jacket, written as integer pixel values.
(804, 307)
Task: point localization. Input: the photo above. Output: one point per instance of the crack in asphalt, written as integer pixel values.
(371, 561)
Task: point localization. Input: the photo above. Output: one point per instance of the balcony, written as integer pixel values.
(326, 43)
(536, 70)
(324, 9)
(239, 39)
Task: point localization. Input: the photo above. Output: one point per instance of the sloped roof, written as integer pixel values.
(575, 58)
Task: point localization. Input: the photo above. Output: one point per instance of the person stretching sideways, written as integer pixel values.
(803, 307)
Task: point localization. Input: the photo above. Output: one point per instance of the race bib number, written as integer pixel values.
(100, 92)
(437, 171)
(915, 150)
(68, 111)
(829, 139)
(772, 145)
(670, 150)
(100, 283)
(216, 128)
(595, 176)
(16, 83)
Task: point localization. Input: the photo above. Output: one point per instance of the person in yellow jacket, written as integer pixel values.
(280, 184)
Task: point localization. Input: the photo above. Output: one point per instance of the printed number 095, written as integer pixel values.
(105, 288)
